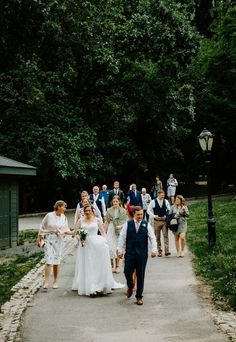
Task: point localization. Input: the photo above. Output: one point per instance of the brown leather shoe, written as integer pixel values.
(129, 292)
(139, 301)
(167, 253)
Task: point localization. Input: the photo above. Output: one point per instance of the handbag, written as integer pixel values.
(173, 225)
(41, 243)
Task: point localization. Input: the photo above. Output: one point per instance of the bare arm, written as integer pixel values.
(101, 228)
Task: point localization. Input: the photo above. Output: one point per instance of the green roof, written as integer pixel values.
(13, 167)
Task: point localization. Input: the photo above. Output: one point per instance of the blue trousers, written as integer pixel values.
(136, 263)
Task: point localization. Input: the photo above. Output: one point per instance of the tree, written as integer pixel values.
(214, 82)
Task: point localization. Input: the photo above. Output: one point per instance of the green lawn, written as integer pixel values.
(217, 266)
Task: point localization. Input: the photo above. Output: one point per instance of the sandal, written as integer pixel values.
(55, 286)
(45, 287)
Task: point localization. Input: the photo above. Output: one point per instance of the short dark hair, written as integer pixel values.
(160, 191)
(89, 206)
(137, 208)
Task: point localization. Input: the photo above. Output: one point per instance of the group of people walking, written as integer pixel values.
(110, 226)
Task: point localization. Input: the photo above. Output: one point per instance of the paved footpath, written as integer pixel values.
(172, 311)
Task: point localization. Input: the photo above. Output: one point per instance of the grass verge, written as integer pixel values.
(217, 266)
(27, 236)
(11, 271)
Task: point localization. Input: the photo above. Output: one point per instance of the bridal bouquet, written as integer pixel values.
(82, 232)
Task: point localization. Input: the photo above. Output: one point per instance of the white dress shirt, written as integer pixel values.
(116, 192)
(152, 205)
(102, 202)
(123, 234)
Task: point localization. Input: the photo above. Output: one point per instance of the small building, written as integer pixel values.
(10, 170)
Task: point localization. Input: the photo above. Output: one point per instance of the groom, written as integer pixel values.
(135, 234)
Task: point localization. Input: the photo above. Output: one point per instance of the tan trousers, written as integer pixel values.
(158, 226)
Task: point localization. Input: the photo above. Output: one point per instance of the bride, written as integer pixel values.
(93, 272)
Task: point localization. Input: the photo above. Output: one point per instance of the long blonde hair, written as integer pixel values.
(182, 199)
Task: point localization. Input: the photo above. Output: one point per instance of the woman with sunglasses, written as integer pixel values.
(93, 273)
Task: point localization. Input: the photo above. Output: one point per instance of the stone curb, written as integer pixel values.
(23, 292)
(12, 311)
(42, 214)
(226, 321)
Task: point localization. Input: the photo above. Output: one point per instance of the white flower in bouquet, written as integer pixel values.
(82, 232)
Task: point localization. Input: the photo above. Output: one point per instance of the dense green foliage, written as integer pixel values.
(213, 72)
(91, 91)
(216, 266)
(12, 271)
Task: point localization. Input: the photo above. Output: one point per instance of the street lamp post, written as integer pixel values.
(206, 142)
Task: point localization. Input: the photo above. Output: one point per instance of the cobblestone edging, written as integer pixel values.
(226, 321)
(23, 292)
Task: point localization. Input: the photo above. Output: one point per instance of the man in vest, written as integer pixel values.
(158, 210)
(99, 200)
(135, 235)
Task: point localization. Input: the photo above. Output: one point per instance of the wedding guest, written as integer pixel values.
(129, 211)
(105, 193)
(99, 200)
(84, 195)
(171, 188)
(80, 209)
(158, 210)
(52, 231)
(114, 220)
(181, 213)
(135, 235)
(134, 196)
(93, 274)
(146, 199)
(156, 187)
(130, 216)
(116, 191)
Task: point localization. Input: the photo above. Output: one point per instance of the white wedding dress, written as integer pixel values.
(93, 271)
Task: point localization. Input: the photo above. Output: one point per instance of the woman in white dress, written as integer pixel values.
(93, 274)
(114, 220)
(51, 236)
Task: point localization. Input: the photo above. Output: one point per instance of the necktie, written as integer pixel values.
(136, 226)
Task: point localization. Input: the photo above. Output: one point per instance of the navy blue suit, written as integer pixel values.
(136, 255)
(135, 199)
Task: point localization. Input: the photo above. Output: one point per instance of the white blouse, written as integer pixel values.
(52, 222)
